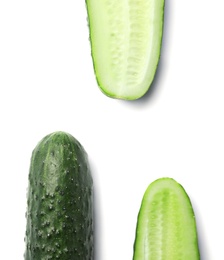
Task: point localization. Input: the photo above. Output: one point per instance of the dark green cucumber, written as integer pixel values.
(125, 38)
(166, 227)
(60, 201)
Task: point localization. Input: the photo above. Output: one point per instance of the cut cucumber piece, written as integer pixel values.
(125, 38)
(166, 227)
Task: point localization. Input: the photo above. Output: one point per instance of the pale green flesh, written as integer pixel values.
(166, 228)
(125, 40)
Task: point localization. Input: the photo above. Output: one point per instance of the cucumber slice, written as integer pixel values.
(166, 228)
(125, 38)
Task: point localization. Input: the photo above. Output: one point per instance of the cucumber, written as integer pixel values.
(166, 227)
(125, 37)
(59, 201)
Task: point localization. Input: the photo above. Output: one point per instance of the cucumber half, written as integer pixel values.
(166, 227)
(125, 38)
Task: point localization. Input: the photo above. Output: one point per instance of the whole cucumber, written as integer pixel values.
(59, 201)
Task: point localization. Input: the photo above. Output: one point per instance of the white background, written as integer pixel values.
(47, 84)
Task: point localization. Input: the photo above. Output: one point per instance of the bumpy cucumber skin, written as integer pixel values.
(175, 237)
(60, 201)
(115, 94)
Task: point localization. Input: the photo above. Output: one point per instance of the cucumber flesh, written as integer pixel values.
(166, 227)
(125, 38)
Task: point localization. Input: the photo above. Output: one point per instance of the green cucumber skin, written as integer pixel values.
(59, 201)
(151, 71)
(166, 226)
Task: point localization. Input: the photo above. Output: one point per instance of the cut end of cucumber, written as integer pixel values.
(166, 227)
(125, 41)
